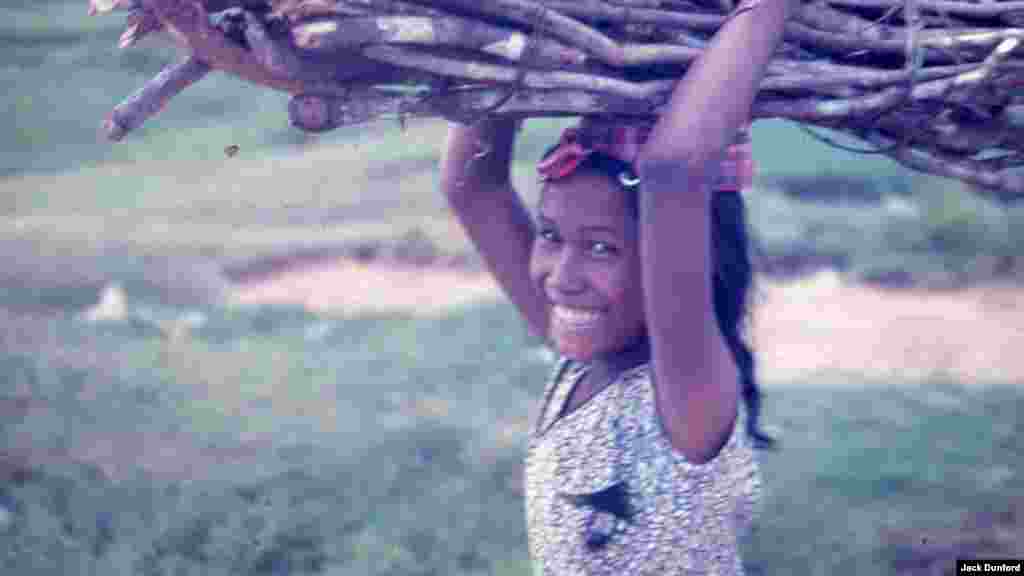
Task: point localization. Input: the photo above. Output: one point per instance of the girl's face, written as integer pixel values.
(586, 261)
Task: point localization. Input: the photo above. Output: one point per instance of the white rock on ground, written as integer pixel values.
(112, 306)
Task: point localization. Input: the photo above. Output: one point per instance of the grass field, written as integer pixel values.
(393, 445)
(274, 441)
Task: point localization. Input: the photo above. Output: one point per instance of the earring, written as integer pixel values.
(627, 179)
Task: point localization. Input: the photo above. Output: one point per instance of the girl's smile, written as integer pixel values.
(575, 331)
(576, 318)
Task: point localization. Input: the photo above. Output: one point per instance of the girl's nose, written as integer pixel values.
(567, 274)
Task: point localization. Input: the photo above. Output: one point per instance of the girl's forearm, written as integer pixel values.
(714, 98)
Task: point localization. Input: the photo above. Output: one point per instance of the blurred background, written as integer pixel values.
(288, 360)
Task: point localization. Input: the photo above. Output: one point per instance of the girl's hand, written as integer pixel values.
(479, 156)
(713, 100)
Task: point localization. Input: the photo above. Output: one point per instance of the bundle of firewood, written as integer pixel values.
(937, 85)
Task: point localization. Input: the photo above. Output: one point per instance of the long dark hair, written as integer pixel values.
(731, 281)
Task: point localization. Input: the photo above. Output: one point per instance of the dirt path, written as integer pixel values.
(822, 325)
(818, 326)
(348, 287)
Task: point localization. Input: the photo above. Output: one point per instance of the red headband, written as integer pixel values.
(623, 142)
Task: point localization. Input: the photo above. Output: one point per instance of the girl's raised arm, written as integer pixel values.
(694, 376)
(476, 179)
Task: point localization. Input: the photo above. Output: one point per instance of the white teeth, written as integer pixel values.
(576, 316)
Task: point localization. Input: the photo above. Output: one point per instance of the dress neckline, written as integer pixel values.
(564, 388)
(563, 411)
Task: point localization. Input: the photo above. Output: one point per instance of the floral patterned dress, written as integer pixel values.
(606, 493)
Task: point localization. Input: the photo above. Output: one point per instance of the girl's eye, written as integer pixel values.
(548, 235)
(602, 248)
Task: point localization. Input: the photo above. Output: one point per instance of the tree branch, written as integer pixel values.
(316, 113)
(974, 10)
(152, 97)
(330, 35)
(188, 23)
(483, 72)
(1003, 186)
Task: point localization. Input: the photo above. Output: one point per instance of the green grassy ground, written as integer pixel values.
(392, 445)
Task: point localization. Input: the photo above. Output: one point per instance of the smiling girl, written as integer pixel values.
(634, 269)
